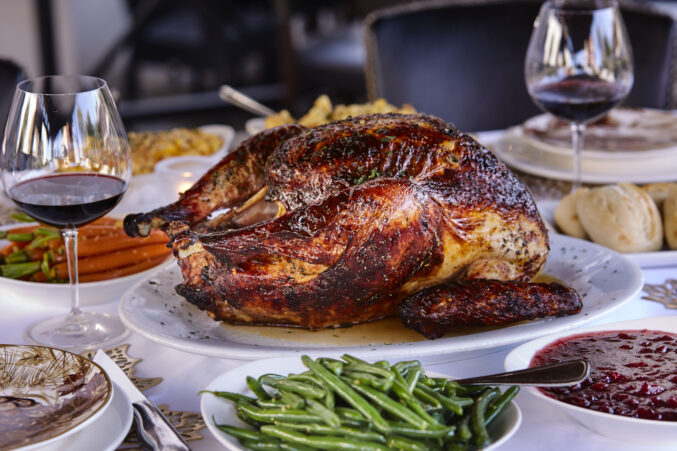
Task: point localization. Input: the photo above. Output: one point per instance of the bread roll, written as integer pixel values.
(622, 217)
(670, 217)
(566, 216)
(658, 191)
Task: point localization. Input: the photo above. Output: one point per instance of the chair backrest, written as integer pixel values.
(10, 75)
(464, 60)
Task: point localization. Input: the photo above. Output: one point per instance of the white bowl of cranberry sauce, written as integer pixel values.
(631, 393)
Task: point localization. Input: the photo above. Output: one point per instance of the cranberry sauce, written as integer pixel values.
(633, 373)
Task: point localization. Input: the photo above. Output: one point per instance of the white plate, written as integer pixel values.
(656, 259)
(255, 125)
(519, 153)
(151, 308)
(618, 427)
(223, 412)
(106, 432)
(58, 295)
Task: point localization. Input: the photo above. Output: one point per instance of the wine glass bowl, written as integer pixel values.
(578, 63)
(66, 162)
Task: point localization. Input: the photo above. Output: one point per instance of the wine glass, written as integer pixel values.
(66, 162)
(578, 64)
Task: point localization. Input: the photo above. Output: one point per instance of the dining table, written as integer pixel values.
(178, 376)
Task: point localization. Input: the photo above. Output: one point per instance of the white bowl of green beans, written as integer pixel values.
(347, 403)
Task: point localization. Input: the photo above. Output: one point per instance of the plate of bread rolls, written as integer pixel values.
(639, 221)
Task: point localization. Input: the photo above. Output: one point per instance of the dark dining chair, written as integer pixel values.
(464, 60)
(10, 75)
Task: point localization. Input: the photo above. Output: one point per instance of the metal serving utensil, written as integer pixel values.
(154, 429)
(232, 95)
(554, 375)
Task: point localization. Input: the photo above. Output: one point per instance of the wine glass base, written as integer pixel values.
(84, 330)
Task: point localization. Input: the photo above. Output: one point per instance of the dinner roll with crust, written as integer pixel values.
(622, 217)
(659, 191)
(670, 217)
(566, 216)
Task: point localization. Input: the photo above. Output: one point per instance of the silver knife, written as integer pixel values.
(153, 427)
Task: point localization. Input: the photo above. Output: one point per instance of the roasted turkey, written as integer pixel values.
(337, 224)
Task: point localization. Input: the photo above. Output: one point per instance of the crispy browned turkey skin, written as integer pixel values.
(357, 215)
(436, 311)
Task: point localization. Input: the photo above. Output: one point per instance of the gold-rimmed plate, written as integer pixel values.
(46, 394)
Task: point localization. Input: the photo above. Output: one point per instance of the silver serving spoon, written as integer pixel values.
(232, 95)
(554, 375)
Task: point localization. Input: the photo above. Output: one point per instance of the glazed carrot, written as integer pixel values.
(124, 271)
(112, 260)
(35, 254)
(13, 246)
(38, 277)
(105, 244)
(100, 230)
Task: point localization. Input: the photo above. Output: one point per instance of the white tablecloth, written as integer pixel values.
(543, 427)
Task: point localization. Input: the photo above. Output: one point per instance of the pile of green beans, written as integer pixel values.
(354, 405)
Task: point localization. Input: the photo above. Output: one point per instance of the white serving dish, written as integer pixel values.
(633, 430)
(58, 295)
(223, 412)
(604, 279)
(255, 125)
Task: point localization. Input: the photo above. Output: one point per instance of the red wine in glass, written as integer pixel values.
(578, 99)
(70, 199)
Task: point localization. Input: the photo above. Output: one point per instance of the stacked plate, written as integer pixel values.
(627, 145)
(55, 400)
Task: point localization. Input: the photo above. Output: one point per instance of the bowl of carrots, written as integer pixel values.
(33, 263)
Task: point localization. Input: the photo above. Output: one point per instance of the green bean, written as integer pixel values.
(322, 442)
(347, 393)
(21, 217)
(262, 445)
(241, 433)
(371, 369)
(42, 241)
(464, 432)
(383, 364)
(291, 399)
(456, 446)
(335, 366)
(352, 359)
(307, 377)
(369, 379)
(19, 256)
(349, 413)
(20, 237)
(454, 404)
(272, 444)
(327, 415)
(407, 430)
(302, 388)
(403, 367)
(477, 416)
(320, 429)
(405, 444)
(329, 400)
(277, 415)
(426, 398)
(400, 390)
(255, 386)
(391, 406)
(412, 378)
(235, 397)
(497, 405)
(16, 270)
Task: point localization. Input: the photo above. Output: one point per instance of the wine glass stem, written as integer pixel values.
(577, 130)
(70, 238)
